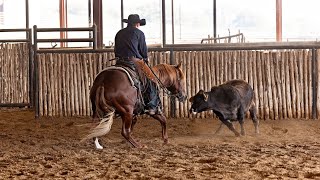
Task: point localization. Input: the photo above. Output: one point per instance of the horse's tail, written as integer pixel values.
(105, 112)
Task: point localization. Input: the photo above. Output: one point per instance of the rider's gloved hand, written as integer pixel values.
(146, 60)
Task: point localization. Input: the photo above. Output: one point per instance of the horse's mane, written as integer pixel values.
(167, 72)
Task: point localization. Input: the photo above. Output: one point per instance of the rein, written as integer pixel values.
(116, 58)
(161, 85)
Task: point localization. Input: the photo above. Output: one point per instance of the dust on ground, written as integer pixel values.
(50, 148)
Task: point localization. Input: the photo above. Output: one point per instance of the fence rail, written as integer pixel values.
(37, 40)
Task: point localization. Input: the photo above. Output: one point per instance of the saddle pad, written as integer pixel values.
(121, 69)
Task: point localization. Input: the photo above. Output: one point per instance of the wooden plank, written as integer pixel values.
(2, 64)
(238, 65)
(46, 85)
(41, 79)
(270, 112)
(260, 85)
(67, 63)
(224, 66)
(189, 75)
(72, 85)
(318, 83)
(283, 85)
(309, 75)
(213, 56)
(90, 71)
(51, 85)
(233, 59)
(297, 82)
(245, 65)
(273, 73)
(81, 85)
(63, 85)
(55, 85)
(287, 83)
(255, 82)
(292, 84)
(218, 70)
(250, 71)
(305, 84)
(86, 85)
(14, 75)
(264, 86)
(26, 73)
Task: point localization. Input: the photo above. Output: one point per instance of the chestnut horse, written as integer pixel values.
(113, 93)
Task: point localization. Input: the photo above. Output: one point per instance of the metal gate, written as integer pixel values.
(16, 70)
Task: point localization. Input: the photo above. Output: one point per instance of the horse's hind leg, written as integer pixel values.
(127, 129)
(134, 121)
(162, 119)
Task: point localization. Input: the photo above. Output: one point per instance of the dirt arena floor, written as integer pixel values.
(50, 148)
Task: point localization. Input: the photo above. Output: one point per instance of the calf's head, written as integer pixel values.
(199, 102)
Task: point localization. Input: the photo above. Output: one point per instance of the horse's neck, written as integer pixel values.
(163, 75)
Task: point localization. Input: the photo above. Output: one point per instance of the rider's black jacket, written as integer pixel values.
(130, 42)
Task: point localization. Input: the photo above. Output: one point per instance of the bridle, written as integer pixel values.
(165, 90)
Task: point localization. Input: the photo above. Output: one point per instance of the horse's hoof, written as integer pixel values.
(97, 144)
(99, 148)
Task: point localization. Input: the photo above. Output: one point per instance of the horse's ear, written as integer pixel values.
(179, 65)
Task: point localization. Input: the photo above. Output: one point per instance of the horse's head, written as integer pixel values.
(173, 79)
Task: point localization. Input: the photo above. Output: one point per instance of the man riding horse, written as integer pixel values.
(131, 49)
(118, 90)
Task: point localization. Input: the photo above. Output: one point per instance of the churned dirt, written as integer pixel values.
(50, 148)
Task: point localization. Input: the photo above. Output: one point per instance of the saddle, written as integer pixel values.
(139, 72)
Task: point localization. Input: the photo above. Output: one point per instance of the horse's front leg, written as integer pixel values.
(127, 122)
(163, 120)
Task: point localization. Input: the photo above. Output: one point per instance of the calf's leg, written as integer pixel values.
(219, 129)
(253, 115)
(230, 126)
(240, 119)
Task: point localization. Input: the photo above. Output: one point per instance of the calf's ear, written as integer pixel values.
(205, 95)
(191, 99)
(201, 92)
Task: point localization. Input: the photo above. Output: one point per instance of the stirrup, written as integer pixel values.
(151, 111)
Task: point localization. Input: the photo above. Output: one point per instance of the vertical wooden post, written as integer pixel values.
(97, 20)
(314, 78)
(163, 22)
(215, 20)
(279, 20)
(63, 20)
